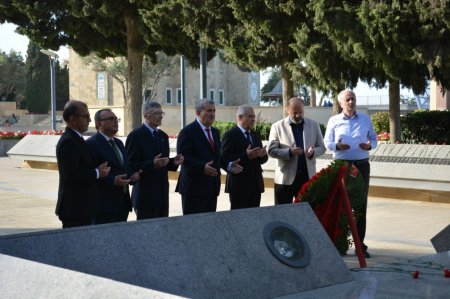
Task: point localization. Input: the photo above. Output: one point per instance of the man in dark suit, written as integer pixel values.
(241, 143)
(199, 143)
(113, 196)
(77, 190)
(148, 149)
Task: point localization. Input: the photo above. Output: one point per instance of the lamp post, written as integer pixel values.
(53, 57)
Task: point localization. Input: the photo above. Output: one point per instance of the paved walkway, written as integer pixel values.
(396, 228)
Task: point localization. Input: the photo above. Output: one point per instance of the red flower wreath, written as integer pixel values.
(316, 191)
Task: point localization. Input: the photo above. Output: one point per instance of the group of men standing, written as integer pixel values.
(95, 174)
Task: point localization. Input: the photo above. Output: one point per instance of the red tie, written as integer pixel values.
(211, 142)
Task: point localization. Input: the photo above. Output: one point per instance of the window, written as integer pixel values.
(221, 97)
(169, 96)
(147, 95)
(212, 94)
(178, 96)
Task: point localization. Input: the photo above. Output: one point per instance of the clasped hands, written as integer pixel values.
(122, 180)
(343, 146)
(212, 171)
(298, 151)
(160, 162)
(256, 152)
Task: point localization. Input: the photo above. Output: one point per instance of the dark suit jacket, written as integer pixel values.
(250, 180)
(152, 190)
(77, 191)
(194, 146)
(111, 198)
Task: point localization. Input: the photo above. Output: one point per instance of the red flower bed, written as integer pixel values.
(20, 134)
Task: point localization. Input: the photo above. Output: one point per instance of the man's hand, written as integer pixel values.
(296, 151)
(342, 146)
(159, 162)
(366, 146)
(121, 180)
(135, 177)
(310, 152)
(253, 153)
(235, 167)
(210, 170)
(263, 151)
(178, 159)
(103, 169)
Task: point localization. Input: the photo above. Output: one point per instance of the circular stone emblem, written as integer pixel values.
(287, 244)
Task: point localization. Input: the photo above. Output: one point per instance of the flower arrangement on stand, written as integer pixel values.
(316, 193)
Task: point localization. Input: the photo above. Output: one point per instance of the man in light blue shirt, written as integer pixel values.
(350, 135)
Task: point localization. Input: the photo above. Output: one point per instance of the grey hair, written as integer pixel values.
(149, 105)
(341, 94)
(243, 109)
(201, 103)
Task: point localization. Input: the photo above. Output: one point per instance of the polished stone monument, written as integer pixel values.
(441, 242)
(251, 253)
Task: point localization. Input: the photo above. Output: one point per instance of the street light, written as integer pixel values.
(53, 58)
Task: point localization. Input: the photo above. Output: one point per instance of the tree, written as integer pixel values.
(272, 81)
(251, 33)
(152, 73)
(106, 28)
(62, 86)
(37, 80)
(12, 71)
(378, 36)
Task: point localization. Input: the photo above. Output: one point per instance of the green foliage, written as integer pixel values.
(12, 75)
(380, 121)
(261, 128)
(323, 128)
(426, 127)
(37, 76)
(274, 77)
(62, 86)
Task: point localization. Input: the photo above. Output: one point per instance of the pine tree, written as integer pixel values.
(37, 80)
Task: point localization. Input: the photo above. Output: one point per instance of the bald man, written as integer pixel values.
(296, 142)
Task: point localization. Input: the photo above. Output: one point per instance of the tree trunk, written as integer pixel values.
(394, 111)
(133, 108)
(312, 97)
(288, 87)
(336, 107)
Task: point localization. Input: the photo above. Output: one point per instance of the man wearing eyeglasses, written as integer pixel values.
(114, 201)
(148, 150)
(77, 192)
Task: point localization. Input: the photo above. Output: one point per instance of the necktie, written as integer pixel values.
(157, 141)
(247, 134)
(211, 142)
(116, 151)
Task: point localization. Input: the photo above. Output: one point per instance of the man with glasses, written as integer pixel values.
(148, 150)
(114, 201)
(296, 142)
(77, 192)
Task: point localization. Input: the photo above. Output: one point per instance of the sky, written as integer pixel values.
(9, 39)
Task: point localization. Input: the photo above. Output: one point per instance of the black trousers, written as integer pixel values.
(102, 218)
(244, 201)
(364, 168)
(76, 221)
(284, 194)
(152, 213)
(193, 204)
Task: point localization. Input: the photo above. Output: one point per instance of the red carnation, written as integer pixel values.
(415, 274)
(447, 273)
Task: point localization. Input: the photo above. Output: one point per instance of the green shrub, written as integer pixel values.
(262, 128)
(426, 127)
(380, 121)
(322, 129)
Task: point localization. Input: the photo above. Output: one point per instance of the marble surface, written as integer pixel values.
(441, 242)
(392, 280)
(214, 255)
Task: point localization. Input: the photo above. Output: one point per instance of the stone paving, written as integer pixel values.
(396, 228)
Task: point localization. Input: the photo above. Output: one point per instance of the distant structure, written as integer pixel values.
(227, 85)
(438, 99)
